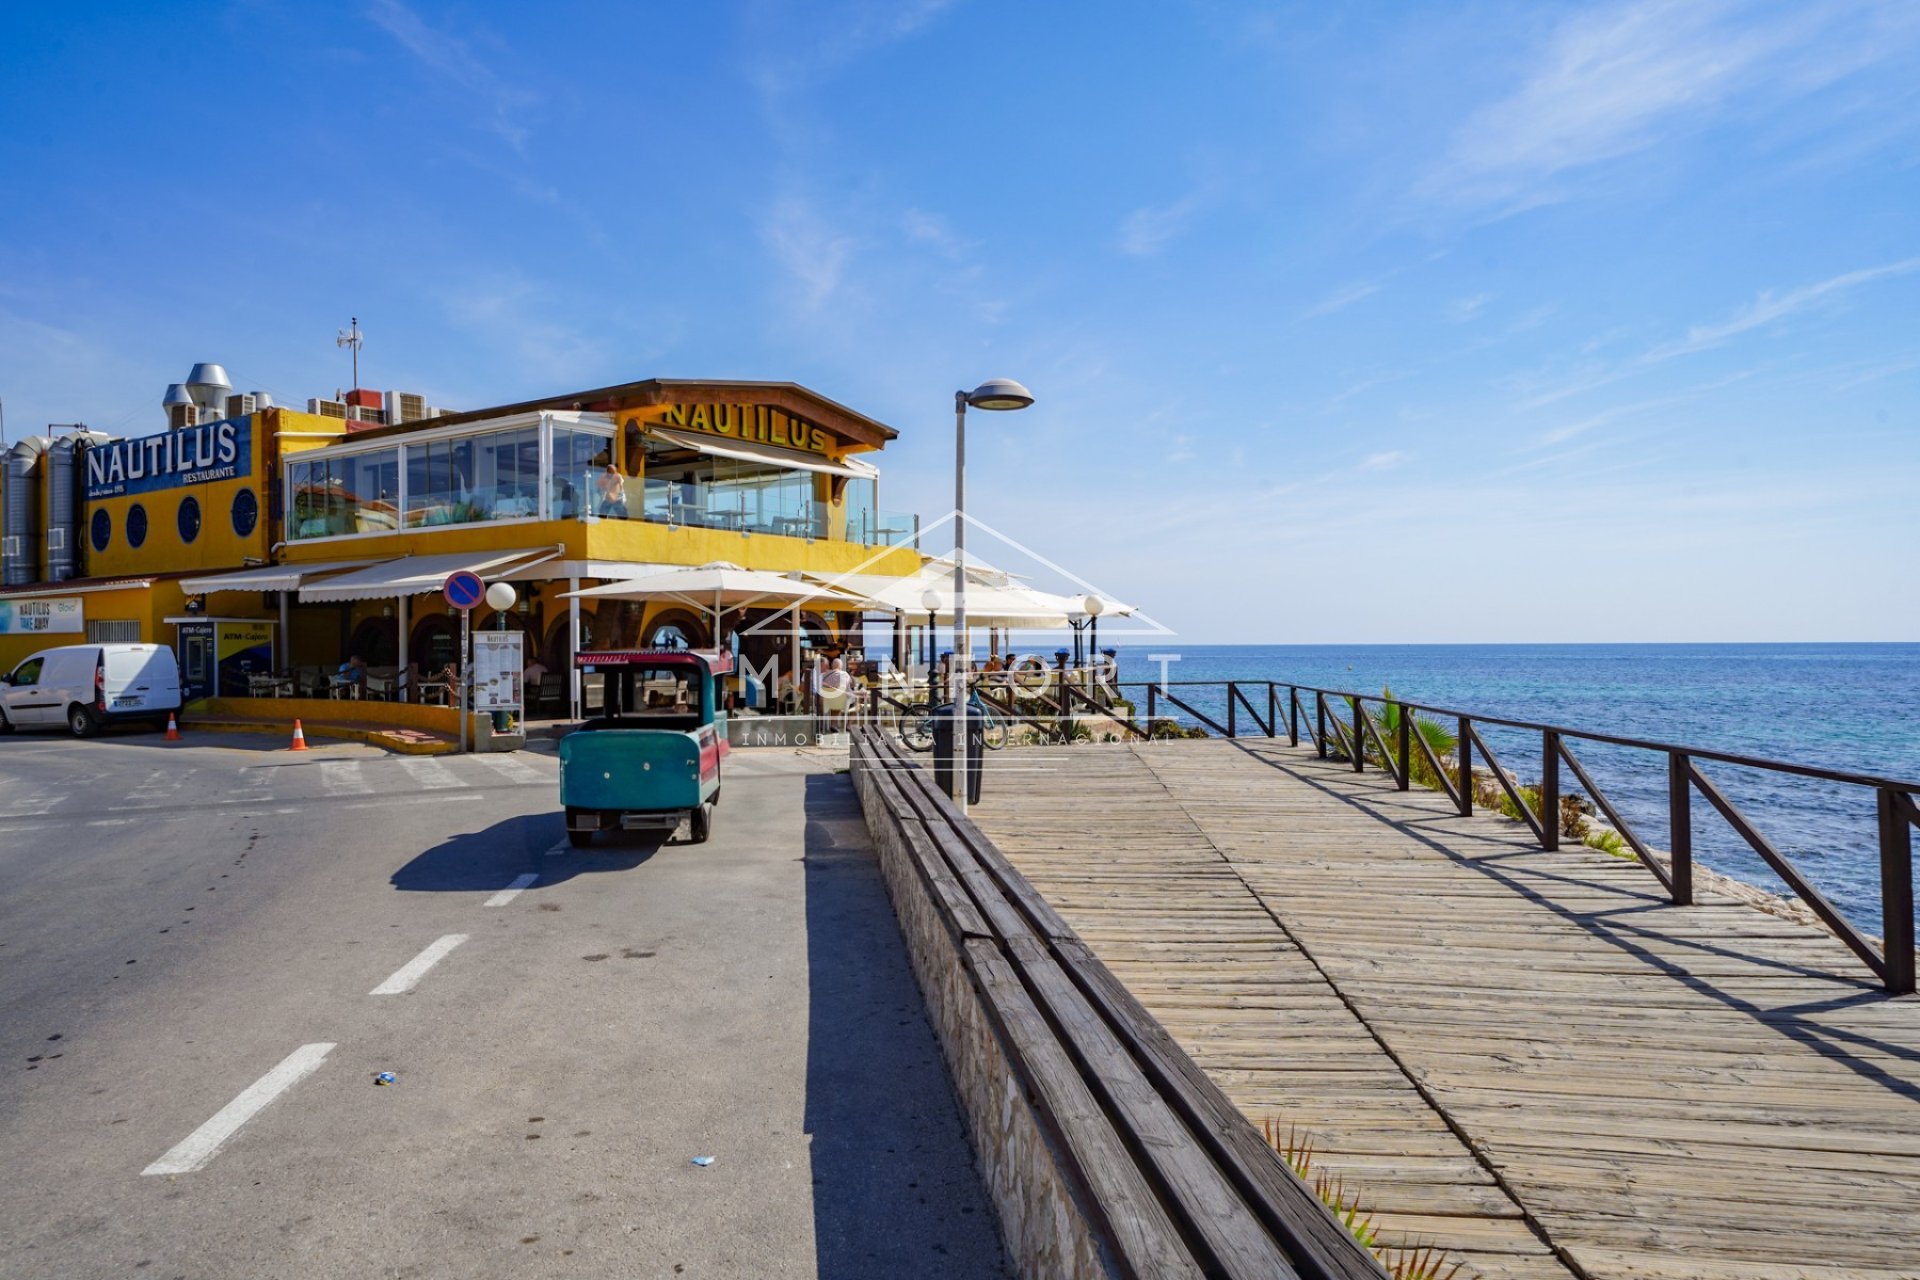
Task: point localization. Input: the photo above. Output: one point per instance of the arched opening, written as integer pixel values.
(675, 629)
(435, 643)
(553, 650)
(376, 641)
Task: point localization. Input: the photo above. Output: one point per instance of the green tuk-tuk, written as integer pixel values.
(652, 756)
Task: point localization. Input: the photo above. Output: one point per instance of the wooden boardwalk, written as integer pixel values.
(1530, 1059)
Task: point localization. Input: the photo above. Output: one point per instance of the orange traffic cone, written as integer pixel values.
(299, 738)
(173, 729)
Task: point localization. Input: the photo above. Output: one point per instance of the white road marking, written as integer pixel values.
(513, 890)
(429, 774)
(159, 784)
(29, 806)
(343, 778)
(560, 848)
(516, 771)
(403, 798)
(198, 1147)
(409, 974)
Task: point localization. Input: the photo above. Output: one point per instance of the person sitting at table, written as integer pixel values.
(611, 493)
(351, 678)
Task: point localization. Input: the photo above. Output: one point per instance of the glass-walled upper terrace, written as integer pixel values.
(562, 466)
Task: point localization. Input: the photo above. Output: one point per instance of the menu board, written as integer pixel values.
(497, 666)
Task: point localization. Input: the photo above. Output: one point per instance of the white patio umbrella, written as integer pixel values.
(1009, 604)
(713, 588)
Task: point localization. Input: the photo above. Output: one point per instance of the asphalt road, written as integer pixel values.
(189, 929)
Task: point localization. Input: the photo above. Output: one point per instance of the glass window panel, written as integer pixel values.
(578, 456)
(372, 491)
(858, 503)
(469, 504)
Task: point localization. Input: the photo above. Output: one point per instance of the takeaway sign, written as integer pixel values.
(55, 615)
(192, 455)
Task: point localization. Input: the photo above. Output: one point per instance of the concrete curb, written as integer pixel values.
(409, 742)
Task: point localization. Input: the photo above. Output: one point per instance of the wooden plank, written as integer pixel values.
(1644, 1078)
(1143, 1238)
(1289, 1209)
(1234, 1240)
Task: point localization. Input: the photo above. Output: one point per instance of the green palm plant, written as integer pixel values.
(1440, 740)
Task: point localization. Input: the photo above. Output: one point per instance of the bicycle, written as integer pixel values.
(917, 730)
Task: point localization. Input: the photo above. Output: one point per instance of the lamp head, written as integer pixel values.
(999, 393)
(930, 600)
(1093, 605)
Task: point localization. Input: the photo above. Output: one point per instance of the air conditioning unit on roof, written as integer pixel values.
(241, 405)
(405, 406)
(362, 413)
(327, 408)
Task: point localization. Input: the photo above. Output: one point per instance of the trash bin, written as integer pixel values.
(976, 749)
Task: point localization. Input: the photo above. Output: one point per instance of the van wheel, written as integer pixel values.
(702, 823)
(81, 721)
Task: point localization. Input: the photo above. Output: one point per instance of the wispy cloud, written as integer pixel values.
(512, 314)
(1618, 80)
(1771, 307)
(1461, 310)
(933, 231)
(1149, 229)
(1382, 461)
(453, 59)
(813, 43)
(1340, 299)
(811, 250)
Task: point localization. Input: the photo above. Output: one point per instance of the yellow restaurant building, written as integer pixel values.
(276, 541)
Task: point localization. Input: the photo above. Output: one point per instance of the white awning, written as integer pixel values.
(273, 577)
(418, 575)
(73, 587)
(605, 570)
(751, 451)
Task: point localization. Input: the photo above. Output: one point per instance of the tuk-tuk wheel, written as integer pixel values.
(578, 839)
(702, 822)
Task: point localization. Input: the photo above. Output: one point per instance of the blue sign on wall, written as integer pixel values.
(192, 455)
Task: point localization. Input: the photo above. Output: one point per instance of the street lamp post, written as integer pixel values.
(993, 394)
(1094, 607)
(930, 601)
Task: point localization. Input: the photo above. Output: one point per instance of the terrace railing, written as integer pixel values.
(1339, 722)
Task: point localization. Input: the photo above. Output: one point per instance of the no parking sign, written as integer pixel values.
(464, 590)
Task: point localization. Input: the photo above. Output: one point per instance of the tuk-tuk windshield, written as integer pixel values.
(668, 690)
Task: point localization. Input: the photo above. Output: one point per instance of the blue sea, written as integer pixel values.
(1851, 707)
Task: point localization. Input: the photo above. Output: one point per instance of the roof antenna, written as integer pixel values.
(352, 338)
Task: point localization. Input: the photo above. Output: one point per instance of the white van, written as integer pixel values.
(85, 686)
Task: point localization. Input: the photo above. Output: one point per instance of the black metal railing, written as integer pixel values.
(1338, 723)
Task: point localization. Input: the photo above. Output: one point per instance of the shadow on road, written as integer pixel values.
(491, 858)
(895, 1190)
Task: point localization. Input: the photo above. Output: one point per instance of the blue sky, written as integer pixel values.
(1385, 323)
